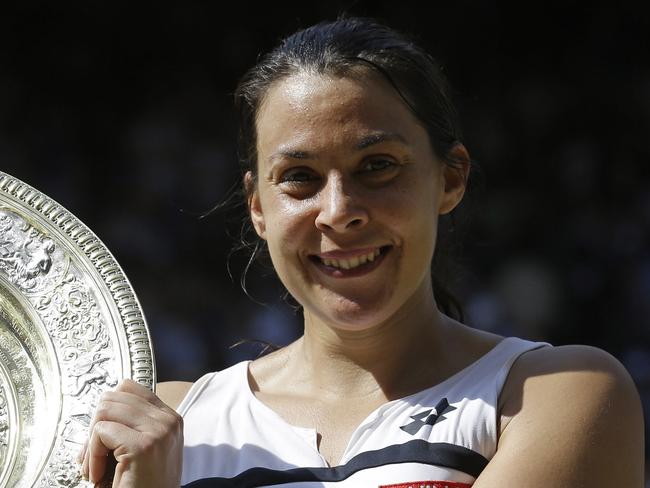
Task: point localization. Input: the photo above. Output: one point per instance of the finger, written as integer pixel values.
(136, 416)
(82, 453)
(139, 397)
(84, 464)
(132, 399)
(129, 386)
(135, 392)
(106, 437)
(140, 416)
(107, 411)
(128, 408)
(145, 400)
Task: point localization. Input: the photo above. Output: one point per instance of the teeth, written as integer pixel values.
(352, 262)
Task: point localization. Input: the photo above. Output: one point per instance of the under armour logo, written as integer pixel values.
(431, 418)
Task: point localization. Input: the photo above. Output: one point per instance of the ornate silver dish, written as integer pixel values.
(70, 328)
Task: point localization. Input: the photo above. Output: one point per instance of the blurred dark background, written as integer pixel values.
(122, 112)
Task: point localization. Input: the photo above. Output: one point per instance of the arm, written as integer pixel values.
(576, 421)
(173, 392)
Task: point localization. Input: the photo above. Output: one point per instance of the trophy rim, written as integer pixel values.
(120, 312)
(108, 269)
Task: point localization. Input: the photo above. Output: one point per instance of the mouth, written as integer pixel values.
(351, 266)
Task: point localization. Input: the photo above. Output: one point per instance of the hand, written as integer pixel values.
(143, 434)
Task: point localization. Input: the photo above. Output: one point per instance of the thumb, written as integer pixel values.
(106, 437)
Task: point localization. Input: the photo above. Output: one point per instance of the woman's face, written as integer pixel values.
(347, 197)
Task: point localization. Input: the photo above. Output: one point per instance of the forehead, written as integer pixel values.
(325, 109)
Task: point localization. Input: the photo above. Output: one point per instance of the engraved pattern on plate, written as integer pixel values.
(71, 315)
(8, 426)
(80, 318)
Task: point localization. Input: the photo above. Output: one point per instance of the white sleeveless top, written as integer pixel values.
(440, 437)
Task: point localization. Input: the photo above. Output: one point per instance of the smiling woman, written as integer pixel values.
(351, 153)
(342, 207)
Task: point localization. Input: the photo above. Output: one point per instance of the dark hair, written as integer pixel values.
(343, 47)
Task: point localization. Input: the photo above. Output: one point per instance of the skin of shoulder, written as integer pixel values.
(173, 392)
(575, 420)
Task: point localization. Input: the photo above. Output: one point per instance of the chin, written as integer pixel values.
(351, 309)
(351, 316)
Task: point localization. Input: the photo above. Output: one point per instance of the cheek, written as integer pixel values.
(408, 205)
(288, 223)
(414, 217)
(289, 238)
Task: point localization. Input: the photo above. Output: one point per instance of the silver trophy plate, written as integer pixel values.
(71, 327)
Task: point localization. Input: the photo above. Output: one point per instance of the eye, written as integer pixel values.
(298, 176)
(375, 165)
(298, 182)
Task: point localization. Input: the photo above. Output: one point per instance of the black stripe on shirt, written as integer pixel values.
(416, 451)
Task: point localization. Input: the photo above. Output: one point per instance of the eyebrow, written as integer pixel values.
(378, 138)
(291, 154)
(363, 143)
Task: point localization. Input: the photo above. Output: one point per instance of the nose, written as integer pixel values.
(340, 209)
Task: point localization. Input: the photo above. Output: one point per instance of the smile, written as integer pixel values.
(352, 262)
(340, 266)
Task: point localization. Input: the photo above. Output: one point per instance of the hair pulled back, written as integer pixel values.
(344, 47)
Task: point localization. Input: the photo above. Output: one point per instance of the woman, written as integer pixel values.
(352, 154)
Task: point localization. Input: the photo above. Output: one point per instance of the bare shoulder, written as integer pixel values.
(552, 369)
(568, 407)
(173, 392)
(583, 377)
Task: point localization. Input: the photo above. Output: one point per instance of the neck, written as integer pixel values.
(375, 360)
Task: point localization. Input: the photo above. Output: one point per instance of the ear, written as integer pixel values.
(254, 204)
(455, 179)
